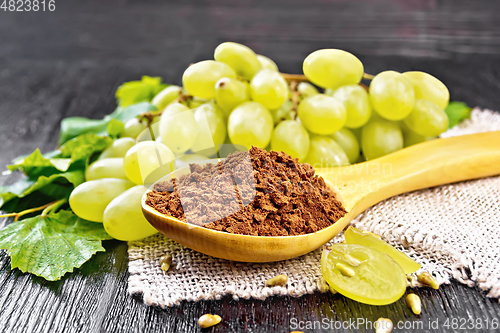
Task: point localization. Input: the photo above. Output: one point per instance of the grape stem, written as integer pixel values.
(149, 115)
(51, 205)
(367, 76)
(295, 77)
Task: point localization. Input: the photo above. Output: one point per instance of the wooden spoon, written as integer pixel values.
(359, 186)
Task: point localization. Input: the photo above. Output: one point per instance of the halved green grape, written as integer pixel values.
(123, 218)
(429, 88)
(267, 63)
(106, 168)
(380, 137)
(283, 113)
(392, 95)
(322, 114)
(250, 124)
(118, 149)
(269, 88)
(292, 138)
(178, 128)
(356, 103)
(332, 68)
(427, 119)
(411, 138)
(324, 152)
(229, 93)
(363, 274)
(211, 127)
(240, 58)
(349, 143)
(199, 79)
(133, 128)
(361, 237)
(89, 200)
(166, 96)
(306, 89)
(144, 158)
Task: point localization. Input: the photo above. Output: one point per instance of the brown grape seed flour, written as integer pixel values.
(256, 193)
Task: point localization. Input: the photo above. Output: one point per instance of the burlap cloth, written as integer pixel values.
(452, 230)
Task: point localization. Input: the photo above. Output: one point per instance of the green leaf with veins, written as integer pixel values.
(52, 245)
(73, 155)
(75, 126)
(115, 127)
(27, 193)
(457, 112)
(74, 148)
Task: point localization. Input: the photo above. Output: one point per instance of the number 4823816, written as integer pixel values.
(28, 5)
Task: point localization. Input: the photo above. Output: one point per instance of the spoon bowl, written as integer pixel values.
(358, 186)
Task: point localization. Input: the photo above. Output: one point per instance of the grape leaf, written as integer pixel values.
(75, 126)
(27, 193)
(115, 127)
(73, 154)
(457, 112)
(139, 91)
(52, 245)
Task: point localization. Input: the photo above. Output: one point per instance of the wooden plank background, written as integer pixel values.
(70, 61)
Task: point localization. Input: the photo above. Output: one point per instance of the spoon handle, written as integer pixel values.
(424, 165)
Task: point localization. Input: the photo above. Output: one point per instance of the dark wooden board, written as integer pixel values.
(69, 62)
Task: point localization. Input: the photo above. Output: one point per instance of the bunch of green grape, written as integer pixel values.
(241, 98)
(332, 120)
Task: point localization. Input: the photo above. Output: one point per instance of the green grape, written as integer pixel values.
(229, 93)
(324, 152)
(269, 88)
(283, 113)
(427, 119)
(166, 96)
(292, 138)
(306, 89)
(357, 133)
(322, 114)
(178, 128)
(411, 138)
(144, 158)
(133, 128)
(250, 124)
(428, 88)
(185, 160)
(106, 168)
(118, 149)
(356, 103)
(267, 63)
(363, 274)
(89, 200)
(331, 68)
(211, 127)
(329, 92)
(199, 79)
(380, 137)
(392, 95)
(240, 58)
(123, 217)
(361, 237)
(347, 140)
(195, 102)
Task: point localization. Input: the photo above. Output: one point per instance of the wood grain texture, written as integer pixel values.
(69, 62)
